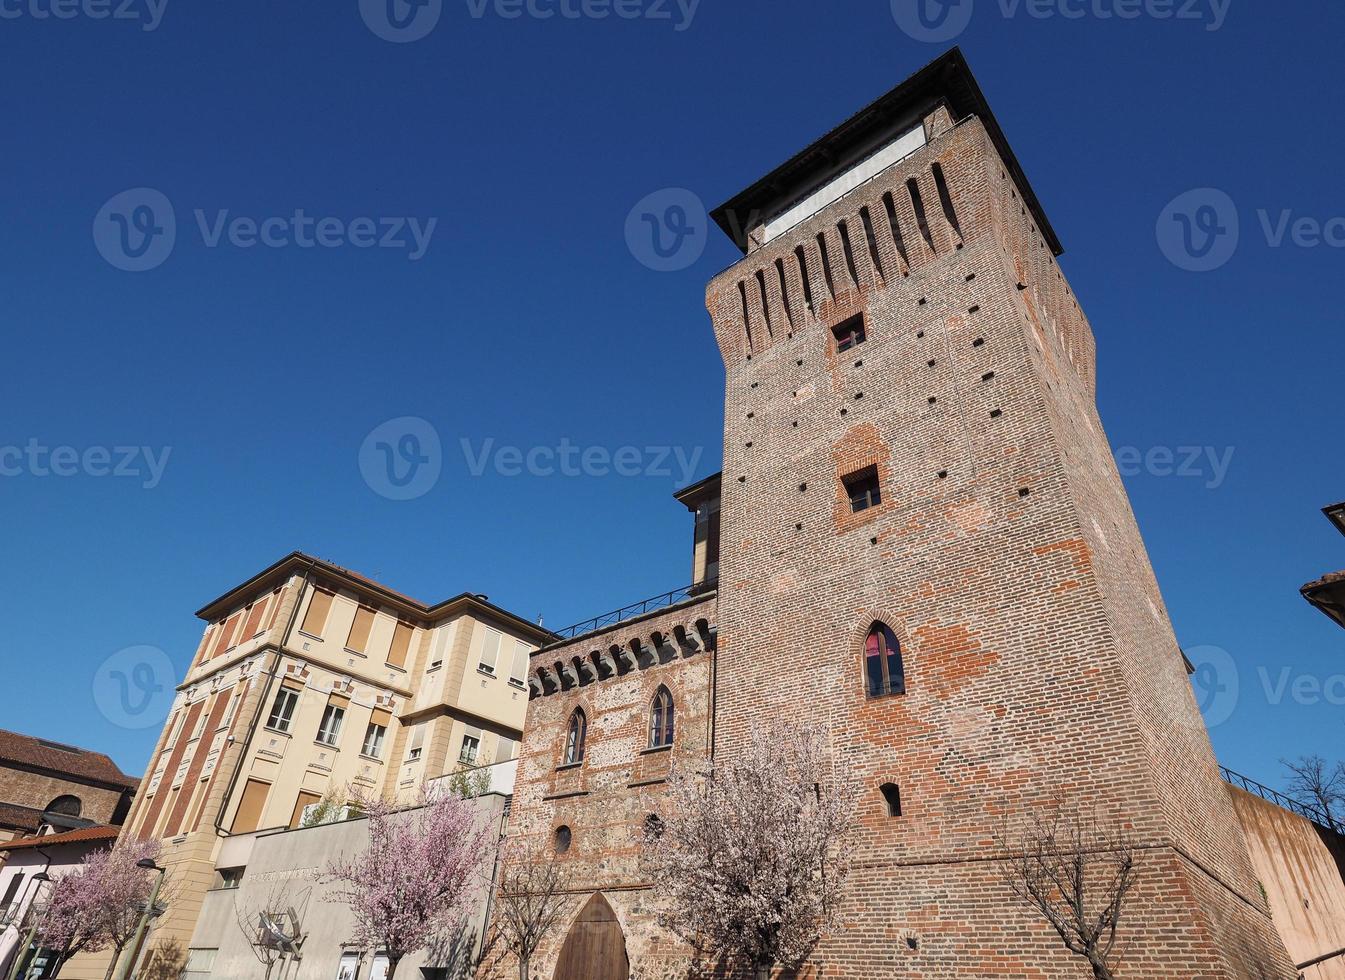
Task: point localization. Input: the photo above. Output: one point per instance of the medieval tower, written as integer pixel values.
(924, 546)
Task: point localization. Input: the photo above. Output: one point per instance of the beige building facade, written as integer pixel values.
(313, 681)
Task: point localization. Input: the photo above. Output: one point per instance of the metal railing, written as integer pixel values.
(633, 611)
(1305, 811)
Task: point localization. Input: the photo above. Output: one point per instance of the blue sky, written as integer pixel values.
(528, 321)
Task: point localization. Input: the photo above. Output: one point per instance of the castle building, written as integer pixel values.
(920, 542)
(313, 681)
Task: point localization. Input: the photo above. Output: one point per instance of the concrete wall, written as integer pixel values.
(280, 871)
(1302, 869)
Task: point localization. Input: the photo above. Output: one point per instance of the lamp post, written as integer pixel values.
(39, 879)
(127, 965)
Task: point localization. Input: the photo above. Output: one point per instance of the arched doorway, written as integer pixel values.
(596, 947)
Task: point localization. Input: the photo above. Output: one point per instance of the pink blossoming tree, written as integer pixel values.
(750, 859)
(416, 879)
(98, 905)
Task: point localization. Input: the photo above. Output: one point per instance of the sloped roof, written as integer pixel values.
(85, 835)
(80, 764)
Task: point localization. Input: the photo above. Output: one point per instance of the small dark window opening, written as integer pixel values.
(863, 489)
(575, 738)
(564, 838)
(883, 668)
(653, 827)
(892, 796)
(849, 334)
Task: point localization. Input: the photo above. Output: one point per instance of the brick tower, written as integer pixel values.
(911, 439)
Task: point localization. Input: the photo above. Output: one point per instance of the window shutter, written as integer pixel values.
(226, 635)
(304, 801)
(359, 630)
(401, 644)
(521, 656)
(341, 701)
(250, 807)
(291, 684)
(490, 650)
(316, 617)
(254, 617)
(381, 718)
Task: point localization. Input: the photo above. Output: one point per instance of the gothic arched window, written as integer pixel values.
(574, 738)
(661, 719)
(882, 663)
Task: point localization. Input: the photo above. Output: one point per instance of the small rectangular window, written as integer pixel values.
(471, 747)
(330, 729)
(282, 710)
(518, 676)
(315, 619)
(849, 334)
(417, 744)
(863, 489)
(229, 877)
(373, 741)
(490, 651)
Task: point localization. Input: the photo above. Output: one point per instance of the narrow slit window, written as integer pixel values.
(946, 201)
(661, 720)
(892, 798)
(803, 274)
(849, 334)
(575, 738)
(849, 252)
(891, 206)
(918, 203)
(872, 241)
(863, 490)
(784, 289)
(826, 264)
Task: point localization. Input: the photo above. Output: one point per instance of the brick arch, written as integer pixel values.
(859, 635)
(595, 946)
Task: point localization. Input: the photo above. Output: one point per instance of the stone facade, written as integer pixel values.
(62, 787)
(1040, 664)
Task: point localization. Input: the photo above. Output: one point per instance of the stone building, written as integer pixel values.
(1328, 592)
(48, 786)
(925, 546)
(311, 680)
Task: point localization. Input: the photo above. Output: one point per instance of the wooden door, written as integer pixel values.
(596, 946)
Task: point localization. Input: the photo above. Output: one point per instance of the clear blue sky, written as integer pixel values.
(528, 321)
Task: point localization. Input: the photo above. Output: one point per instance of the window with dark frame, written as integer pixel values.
(863, 489)
(661, 719)
(471, 747)
(575, 737)
(883, 668)
(373, 740)
(329, 732)
(282, 710)
(849, 334)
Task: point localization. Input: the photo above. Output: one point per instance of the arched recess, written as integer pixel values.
(595, 949)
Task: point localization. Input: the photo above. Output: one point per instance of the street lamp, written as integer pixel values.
(39, 880)
(124, 970)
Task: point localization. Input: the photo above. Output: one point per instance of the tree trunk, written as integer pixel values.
(112, 967)
(763, 971)
(392, 965)
(522, 968)
(1100, 969)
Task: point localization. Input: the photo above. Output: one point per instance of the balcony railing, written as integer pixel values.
(634, 611)
(1279, 799)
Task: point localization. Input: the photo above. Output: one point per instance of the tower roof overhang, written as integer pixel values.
(946, 79)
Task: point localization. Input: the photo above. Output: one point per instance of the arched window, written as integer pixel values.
(574, 739)
(66, 806)
(892, 796)
(882, 663)
(661, 719)
(564, 837)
